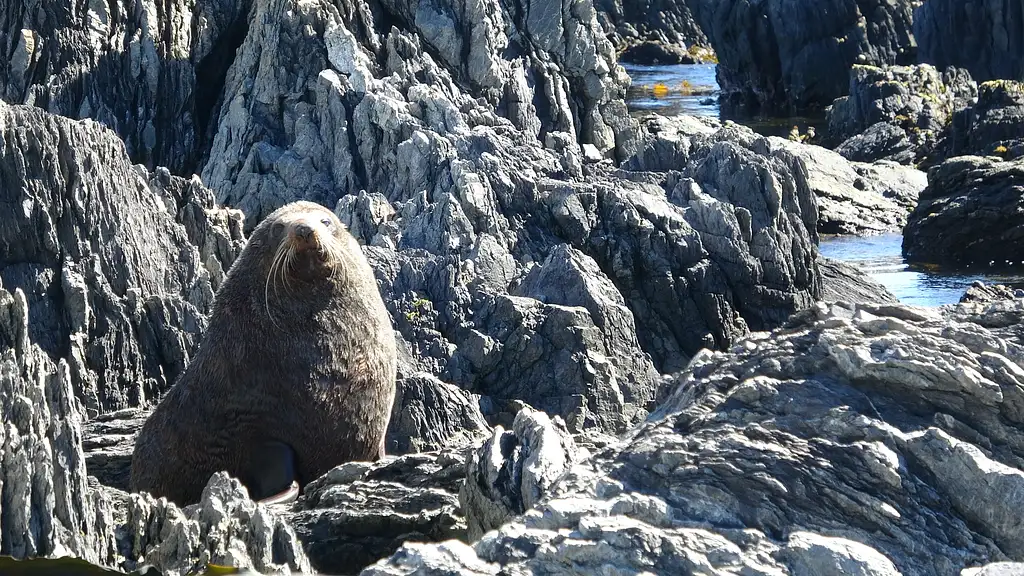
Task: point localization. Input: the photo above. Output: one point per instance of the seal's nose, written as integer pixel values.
(303, 232)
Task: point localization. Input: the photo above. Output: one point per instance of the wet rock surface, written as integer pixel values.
(836, 445)
(969, 215)
(784, 56)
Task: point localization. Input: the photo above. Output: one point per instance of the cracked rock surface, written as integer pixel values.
(88, 238)
(858, 439)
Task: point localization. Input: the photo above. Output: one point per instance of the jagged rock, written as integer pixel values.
(150, 71)
(225, 528)
(994, 125)
(968, 215)
(983, 37)
(638, 28)
(118, 290)
(784, 56)
(429, 415)
(373, 101)
(898, 113)
(864, 439)
(46, 508)
(360, 512)
(514, 469)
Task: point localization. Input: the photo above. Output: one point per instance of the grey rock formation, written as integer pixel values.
(225, 528)
(866, 439)
(151, 74)
(429, 414)
(46, 507)
(843, 282)
(969, 214)
(514, 469)
(778, 55)
(379, 104)
(117, 287)
(983, 37)
(360, 512)
(898, 113)
(653, 31)
(994, 125)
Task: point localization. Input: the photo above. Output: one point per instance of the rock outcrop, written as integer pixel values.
(983, 37)
(994, 125)
(653, 31)
(789, 56)
(898, 113)
(118, 266)
(915, 115)
(969, 215)
(859, 439)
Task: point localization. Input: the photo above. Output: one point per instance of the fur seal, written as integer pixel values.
(295, 374)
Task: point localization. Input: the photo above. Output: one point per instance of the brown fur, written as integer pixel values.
(299, 350)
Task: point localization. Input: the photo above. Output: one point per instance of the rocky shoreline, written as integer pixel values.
(620, 350)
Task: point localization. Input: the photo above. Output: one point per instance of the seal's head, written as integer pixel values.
(308, 243)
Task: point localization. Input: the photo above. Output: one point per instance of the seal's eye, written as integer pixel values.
(278, 228)
(326, 222)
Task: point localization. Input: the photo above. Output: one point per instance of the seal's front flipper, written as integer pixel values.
(269, 475)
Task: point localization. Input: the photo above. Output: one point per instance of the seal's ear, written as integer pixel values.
(269, 475)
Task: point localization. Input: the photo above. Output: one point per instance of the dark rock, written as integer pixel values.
(898, 113)
(121, 291)
(870, 439)
(667, 24)
(360, 512)
(969, 215)
(983, 37)
(788, 56)
(994, 125)
(651, 52)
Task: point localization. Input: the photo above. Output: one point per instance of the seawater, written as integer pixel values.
(693, 89)
(881, 257)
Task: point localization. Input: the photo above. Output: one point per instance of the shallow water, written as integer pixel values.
(697, 97)
(693, 89)
(881, 257)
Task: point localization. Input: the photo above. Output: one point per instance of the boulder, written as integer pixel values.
(969, 215)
